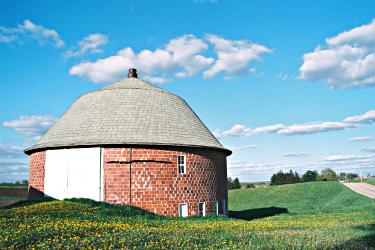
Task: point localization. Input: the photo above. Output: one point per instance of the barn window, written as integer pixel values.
(183, 210)
(181, 164)
(202, 209)
(214, 209)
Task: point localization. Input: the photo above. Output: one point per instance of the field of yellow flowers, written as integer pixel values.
(75, 224)
(323, 215)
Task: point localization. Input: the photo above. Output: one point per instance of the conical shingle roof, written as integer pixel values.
(128, 112)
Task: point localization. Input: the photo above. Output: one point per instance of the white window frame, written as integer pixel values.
(203, 209)
(179, 210)
(214, 204)
(183, 165)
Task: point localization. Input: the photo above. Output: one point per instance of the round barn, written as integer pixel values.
(132, 143)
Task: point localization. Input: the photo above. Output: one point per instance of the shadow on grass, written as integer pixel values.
(364, 242)
(256, 213)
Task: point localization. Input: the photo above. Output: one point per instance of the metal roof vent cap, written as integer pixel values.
(132, 73)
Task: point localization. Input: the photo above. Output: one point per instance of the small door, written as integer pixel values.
(183, 208)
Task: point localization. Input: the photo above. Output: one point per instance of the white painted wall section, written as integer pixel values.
(73, 173)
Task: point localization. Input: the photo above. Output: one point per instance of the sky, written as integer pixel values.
(283, 84)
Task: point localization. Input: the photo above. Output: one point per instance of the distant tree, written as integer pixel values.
(24, 182)
(281, 178)
(230, 183)
(233, 184)
(250, 185)
(328, 175)
(310, 176)
(342, 176)
(236, 183)
(352, 176)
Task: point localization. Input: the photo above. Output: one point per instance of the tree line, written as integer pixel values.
(327, 174)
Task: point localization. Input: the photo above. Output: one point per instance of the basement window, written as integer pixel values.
(214, 209)
(181, 164)
(183, 210)
(202, 209)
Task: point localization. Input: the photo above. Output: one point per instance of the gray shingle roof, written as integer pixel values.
(130, 112)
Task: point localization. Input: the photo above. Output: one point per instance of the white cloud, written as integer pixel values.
(361, 139)
(238, 130)
(233, 56)
(346, 60)
(315, 127)
(243, 147)
(297, 129)
(337, 158)
(281, 76)
(180, 57)
(13, 163)
(31, 127)
(89, 45)
(369, 150)
(305, 128)
(368, 117)
(30, 30)
(294, 154)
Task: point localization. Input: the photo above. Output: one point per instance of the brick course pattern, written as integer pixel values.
(36, 173)
(155, 183)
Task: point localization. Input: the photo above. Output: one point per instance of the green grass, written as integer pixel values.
(13, 186)
(10, 198)
(371, 181)
(322, 215)
(311, 197)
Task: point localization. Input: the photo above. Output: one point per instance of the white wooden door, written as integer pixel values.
(56, 174)
(73, 173)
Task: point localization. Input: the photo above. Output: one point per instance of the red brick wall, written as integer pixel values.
(36, 173)
(156, 185)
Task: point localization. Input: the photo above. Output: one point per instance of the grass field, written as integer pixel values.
(302, 216)
(371, 181)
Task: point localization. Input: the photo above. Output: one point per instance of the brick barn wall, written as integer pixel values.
(156, 185)
(36, 173)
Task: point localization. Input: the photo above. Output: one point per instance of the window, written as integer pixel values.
(181, 164)
(202, 209)
(222, 207)
(183, 210)
(214, 208)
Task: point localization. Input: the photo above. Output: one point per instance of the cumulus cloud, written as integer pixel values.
(31, 127)
(89, 45)
(233, 56)
(346, 60)
(361, 139)
(180, 57)
(368, 117)
(30, 30)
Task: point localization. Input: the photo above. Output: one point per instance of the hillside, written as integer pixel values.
(334, 218)
(300, 198)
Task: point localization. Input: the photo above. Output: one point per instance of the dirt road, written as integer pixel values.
(362, 188)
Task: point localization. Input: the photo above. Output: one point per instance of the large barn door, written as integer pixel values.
(56, 174)
(84, 173)
(73, 173)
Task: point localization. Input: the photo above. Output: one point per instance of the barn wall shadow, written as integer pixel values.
(256, 213)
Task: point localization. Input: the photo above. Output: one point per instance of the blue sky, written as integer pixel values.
(284, 84)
